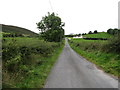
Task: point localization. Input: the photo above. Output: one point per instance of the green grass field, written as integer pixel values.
(95, 51)
(17, 30)
(28, 61)
(88, 41)
(98, 35)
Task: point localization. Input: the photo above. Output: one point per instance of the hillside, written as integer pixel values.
(98, 35)
(17, 30)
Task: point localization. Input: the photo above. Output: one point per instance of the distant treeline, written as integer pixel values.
(113, 31)
(109, 31)
(90, 32)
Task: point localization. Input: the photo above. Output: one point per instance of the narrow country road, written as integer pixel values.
(73, 71)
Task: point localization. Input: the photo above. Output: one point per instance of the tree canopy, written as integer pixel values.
(113, 31)
(51, 27)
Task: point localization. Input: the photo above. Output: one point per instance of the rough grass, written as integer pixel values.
(94, 51)
(98, 35)
(27, 61)
(39, 73)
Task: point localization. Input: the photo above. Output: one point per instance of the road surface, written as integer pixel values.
(73, 71)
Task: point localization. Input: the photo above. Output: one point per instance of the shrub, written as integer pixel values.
(15, 52)
(114, 44)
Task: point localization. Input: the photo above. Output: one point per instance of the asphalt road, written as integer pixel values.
(73, 71)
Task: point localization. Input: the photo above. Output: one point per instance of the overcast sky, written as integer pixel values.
(80, 16)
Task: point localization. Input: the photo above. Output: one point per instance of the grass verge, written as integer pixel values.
(109, 62)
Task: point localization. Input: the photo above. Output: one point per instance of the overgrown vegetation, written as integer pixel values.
(106, 54)
(26, 60)
(114, 44)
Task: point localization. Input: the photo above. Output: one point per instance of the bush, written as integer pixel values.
(114, 44)
(15, 54)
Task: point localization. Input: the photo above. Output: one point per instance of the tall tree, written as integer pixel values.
(51, 28)
(95, 31)
(90, 32)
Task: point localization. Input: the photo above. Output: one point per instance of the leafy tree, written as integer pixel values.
(110, 31)
(90, 32)
(95, 31)
(51, 28)
(113, 31)
(83, 34)
(79, 34)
